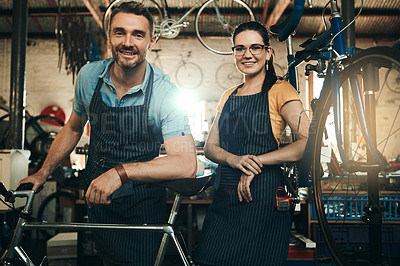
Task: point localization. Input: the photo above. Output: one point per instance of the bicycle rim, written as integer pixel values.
(157, 14)
(189, 76)
(214, 32)
(340, 194)
(228, 75)
(57, 207)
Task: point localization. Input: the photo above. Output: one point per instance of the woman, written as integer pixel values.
(242, 226)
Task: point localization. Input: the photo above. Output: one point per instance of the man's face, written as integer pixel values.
(130, 39)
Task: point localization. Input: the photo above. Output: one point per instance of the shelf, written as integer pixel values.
(190, 201)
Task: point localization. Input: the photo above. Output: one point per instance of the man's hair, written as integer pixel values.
(131, 7)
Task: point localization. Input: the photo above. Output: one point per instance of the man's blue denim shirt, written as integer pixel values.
(166, 119)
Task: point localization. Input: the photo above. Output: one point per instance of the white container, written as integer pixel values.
(13, 167)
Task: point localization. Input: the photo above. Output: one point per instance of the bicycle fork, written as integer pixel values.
(170, 232)
(15, 250)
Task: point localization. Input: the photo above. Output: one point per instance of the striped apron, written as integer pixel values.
(121, 135)
(241, 233)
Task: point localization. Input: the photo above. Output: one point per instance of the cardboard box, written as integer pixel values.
(63, 246)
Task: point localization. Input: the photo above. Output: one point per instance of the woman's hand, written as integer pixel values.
(248, 164)
(244, 187)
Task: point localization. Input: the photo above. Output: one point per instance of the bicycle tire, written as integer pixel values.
(189, 75)
(227, 75)
(4, 128)
(207, 24)
(44, 212)
(341, 199)
(156, 12)
(40, 132)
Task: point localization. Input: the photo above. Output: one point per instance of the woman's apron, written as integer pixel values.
(241, 233)
(122, 135)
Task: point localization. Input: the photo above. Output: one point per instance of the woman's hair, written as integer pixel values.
(270, 76)
(132, 7)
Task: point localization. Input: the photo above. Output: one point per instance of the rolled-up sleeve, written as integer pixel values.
(78, 106)
(174, 120)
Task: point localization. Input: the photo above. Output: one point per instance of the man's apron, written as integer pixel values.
(122, 135)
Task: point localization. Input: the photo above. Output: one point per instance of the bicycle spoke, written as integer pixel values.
(387, 139)
(345, 199)
(215, 21)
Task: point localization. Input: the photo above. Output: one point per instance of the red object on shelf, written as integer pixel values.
(394, 166)
(300, 253)
(55, 111)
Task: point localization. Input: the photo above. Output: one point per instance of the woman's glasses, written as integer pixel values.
(255, 49)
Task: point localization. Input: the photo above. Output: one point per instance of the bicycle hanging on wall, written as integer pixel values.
(188, 75)
(215, 18)
(355, 136)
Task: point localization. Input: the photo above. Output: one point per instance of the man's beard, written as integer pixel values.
(125, 64)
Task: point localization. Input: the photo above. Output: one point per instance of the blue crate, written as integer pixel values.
(352, 208)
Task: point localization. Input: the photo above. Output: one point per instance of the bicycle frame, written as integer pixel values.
(23, 224)
(193, 186)
(179, 22)
(334, 55)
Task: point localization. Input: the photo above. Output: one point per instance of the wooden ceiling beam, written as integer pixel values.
(277, 12)
(37, 24)
(52, 3)
(265, 12)
(94, 9)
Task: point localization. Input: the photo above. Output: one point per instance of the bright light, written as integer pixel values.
(318, 83)
(195, 110)
(187, 100)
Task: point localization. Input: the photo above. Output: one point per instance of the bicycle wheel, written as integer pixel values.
(342, 201)
(214, 30)
(57, 207)
(228, 75)
(189, 75)
(157, 14)
(4, 130)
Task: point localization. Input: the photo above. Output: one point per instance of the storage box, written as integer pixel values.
(63, 246)
(13, 168)
(353, 239)
(63, 262)
(300, 256)
(301, 251)
(352, 207)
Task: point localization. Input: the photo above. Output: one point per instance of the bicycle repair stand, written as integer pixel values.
(185, 187)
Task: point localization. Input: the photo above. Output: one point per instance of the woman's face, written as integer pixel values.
(251, 54)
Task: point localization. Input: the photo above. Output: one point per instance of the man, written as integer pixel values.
(130, 105)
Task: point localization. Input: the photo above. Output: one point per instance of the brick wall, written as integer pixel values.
(46, 85)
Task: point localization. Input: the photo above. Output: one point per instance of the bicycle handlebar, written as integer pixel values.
(3, 191)
(293, 21)
(10, 195)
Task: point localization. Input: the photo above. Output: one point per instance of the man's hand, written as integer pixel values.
(244, 187)
(101, 188)
(37, 180)
(248, 164)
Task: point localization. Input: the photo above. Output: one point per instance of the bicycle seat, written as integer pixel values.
(186, 186)
(278, 27)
